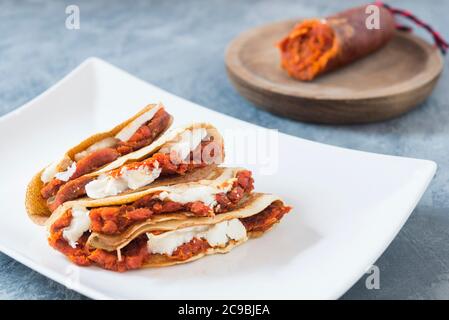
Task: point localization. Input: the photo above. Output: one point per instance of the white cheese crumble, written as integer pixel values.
(128, 131)
(49, 172)
(106, 185)
(80, 223)
(65, 175)
(105, 143)
(192, 193)
(216, 235)
(142, 176)
(188, 141)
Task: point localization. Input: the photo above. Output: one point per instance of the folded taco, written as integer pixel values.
(164, 238)
(95, 152)
(206, 192)
(177, 152)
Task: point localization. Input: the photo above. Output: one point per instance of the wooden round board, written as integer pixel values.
(383, 85)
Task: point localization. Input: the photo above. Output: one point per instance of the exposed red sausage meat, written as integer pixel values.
(94, 161)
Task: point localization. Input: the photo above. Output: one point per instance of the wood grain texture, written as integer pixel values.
(381, 86)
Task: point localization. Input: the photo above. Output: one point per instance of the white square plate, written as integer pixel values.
(348, 205)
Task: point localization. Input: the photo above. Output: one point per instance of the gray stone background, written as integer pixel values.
(179, 46)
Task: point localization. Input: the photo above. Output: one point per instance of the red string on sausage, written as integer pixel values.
(439, 41)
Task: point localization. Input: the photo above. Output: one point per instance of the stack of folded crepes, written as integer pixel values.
(142, 195)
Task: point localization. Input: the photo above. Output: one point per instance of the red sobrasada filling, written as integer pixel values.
(144, 135)
(76, 188)
(306, 50)
(135, 254)
(116, 219)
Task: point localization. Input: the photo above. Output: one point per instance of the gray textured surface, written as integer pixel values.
(179, 46)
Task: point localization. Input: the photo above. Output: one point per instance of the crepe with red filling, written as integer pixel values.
(177, 152)
(170, 239)
(95, 152)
